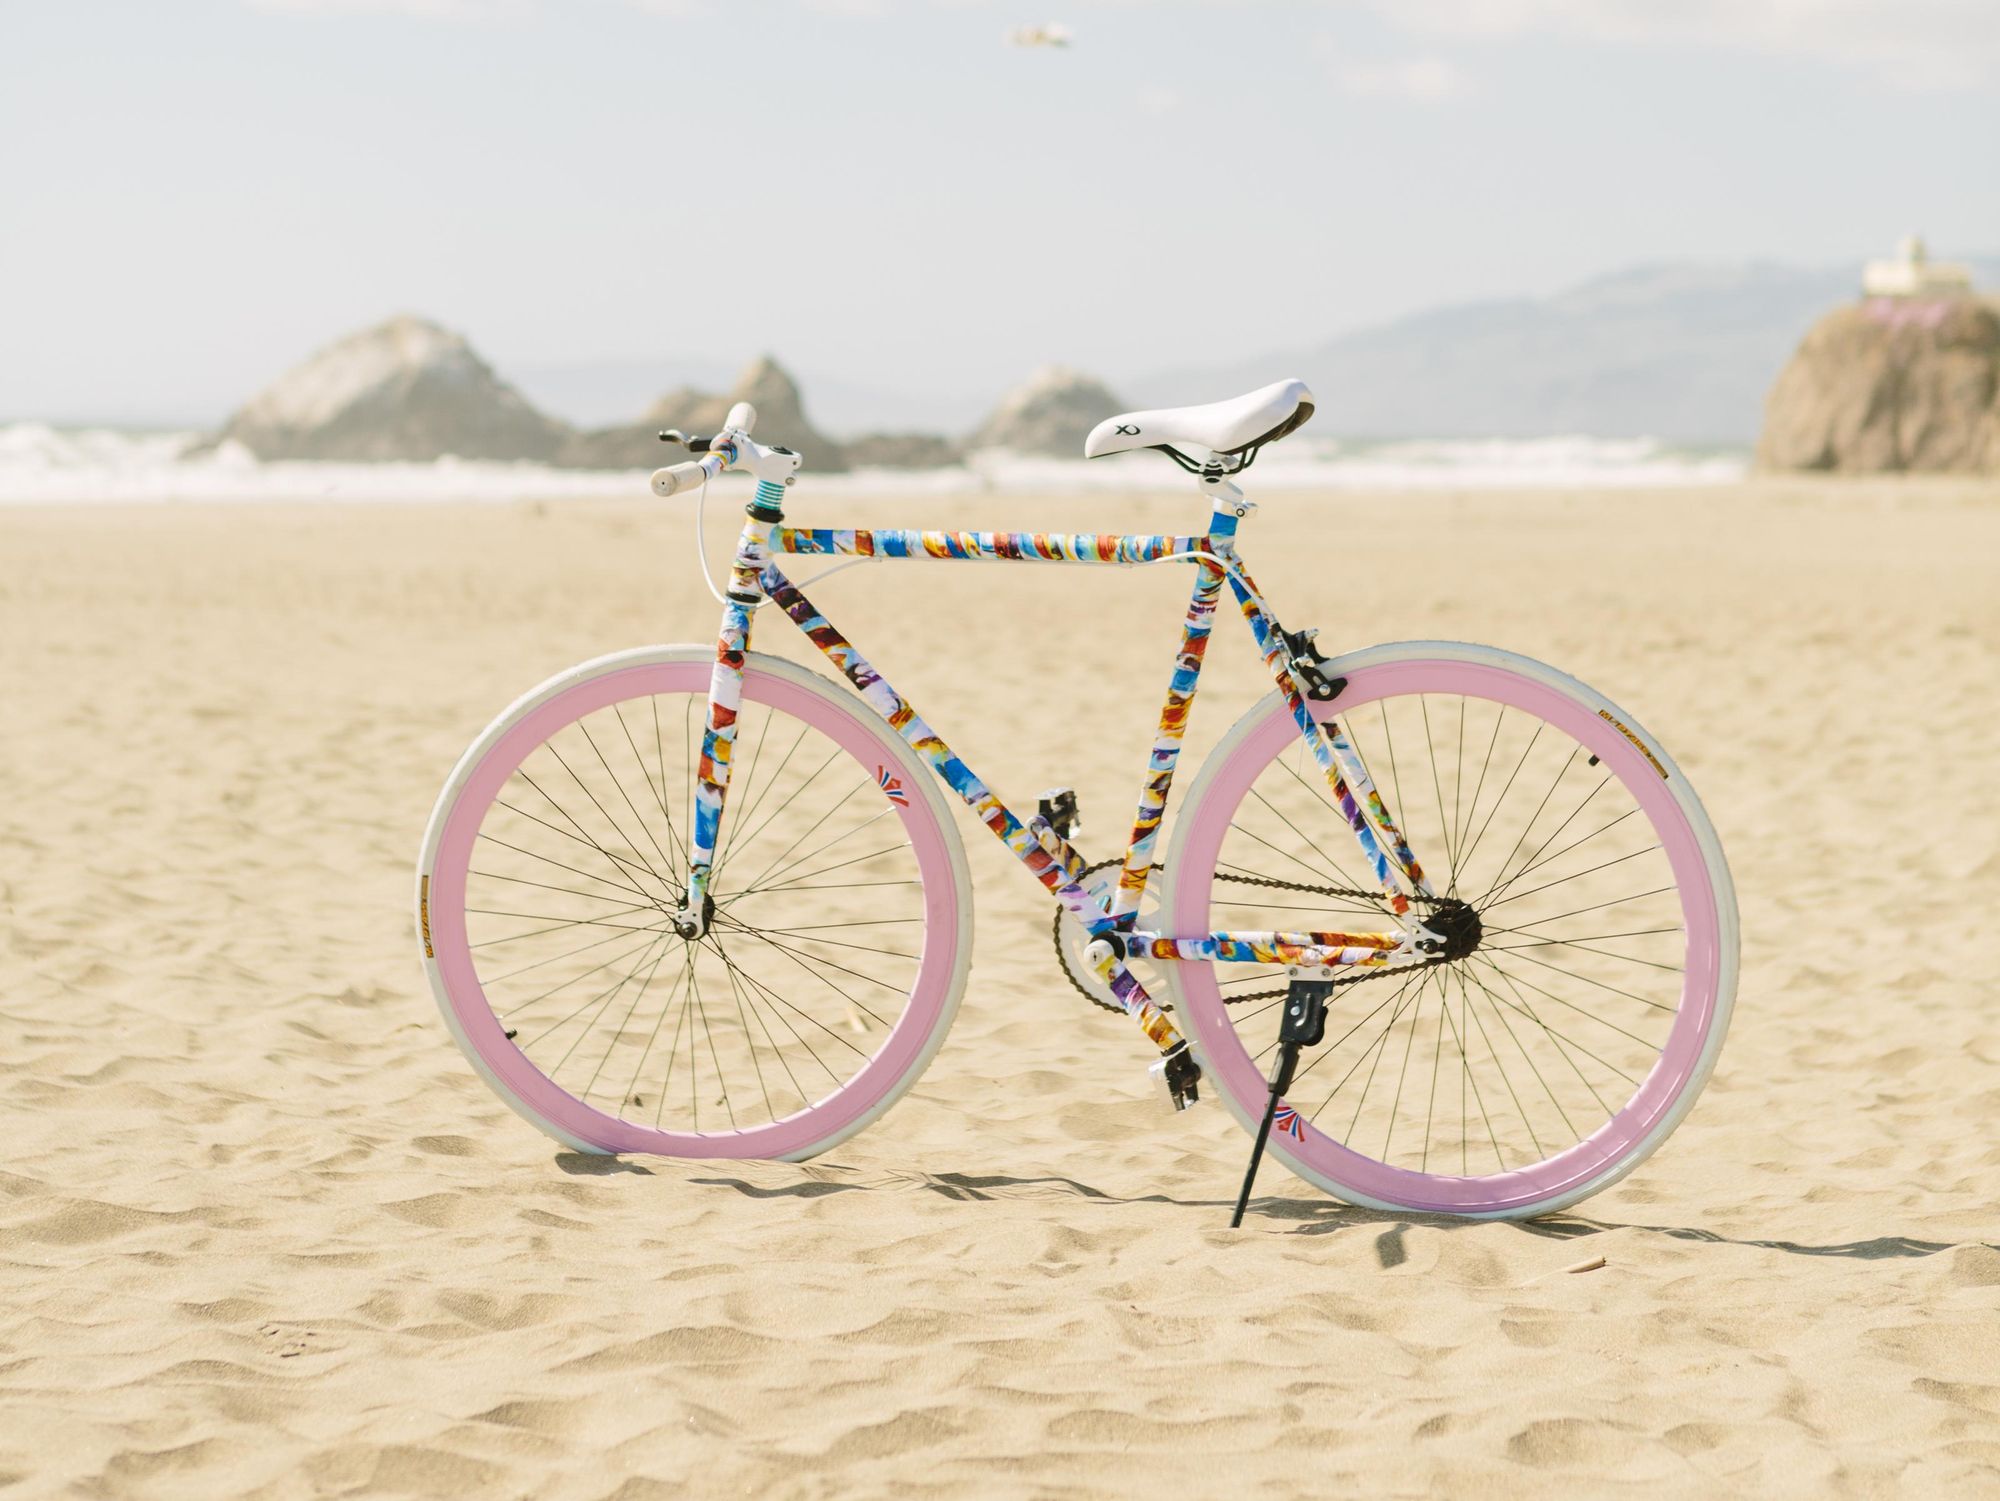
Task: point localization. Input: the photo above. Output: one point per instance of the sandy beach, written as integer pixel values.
(264, 1233)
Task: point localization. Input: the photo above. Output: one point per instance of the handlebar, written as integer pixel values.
(730, 448)
(677, 477)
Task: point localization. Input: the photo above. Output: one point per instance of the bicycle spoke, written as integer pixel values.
(492, 943)
(1514, 980)
(1465, 984)
(616, 828)
(630, 1096)
(1430, 746)
(773, 1000)
(1500, 1014)
(589, 896)
(736, 993)
(797, 792)
(619, 863)
(637, 817)
(749, 813)
(625, 889)
(519, 1006)
(1319, 795)
(1472, 810)
(1526, 750)
(624, 1022)
(1574, 975)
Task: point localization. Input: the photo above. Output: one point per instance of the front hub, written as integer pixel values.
(689, 923)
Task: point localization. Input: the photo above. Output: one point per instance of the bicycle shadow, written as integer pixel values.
(1306, 1216)
(1321, 1219)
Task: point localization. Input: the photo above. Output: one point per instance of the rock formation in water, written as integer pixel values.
(405, 389)
(1051, 414)
(410, 390)
(1887, 385)
(781, 421)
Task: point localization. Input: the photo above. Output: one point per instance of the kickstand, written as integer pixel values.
(1303, 1025)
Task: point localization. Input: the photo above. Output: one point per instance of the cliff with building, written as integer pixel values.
(1905, 379)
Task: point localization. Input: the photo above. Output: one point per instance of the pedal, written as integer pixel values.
(1302, 1026)
(1058, 808)
(1179, 1076)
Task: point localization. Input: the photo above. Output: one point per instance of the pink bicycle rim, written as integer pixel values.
(795, 1133)
(1673, 1070)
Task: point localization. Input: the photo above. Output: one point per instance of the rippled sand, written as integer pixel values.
(262, 1232)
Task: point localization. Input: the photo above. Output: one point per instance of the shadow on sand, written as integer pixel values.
(1307, 1216)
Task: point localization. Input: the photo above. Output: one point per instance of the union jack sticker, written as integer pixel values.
(1287, 1120)
(892, 787)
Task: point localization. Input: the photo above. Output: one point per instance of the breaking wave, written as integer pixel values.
(44, 464)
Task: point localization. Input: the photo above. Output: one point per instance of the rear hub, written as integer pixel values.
(1457, 926)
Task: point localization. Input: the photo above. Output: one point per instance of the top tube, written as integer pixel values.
(1007, 547)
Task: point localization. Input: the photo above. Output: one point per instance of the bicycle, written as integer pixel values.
(1498, 1029)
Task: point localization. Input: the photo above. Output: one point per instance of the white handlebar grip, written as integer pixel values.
(678, 477)
(742, 417)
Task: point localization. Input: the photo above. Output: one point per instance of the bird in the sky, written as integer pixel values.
(1054, 34)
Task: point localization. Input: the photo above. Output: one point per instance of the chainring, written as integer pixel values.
(1071, 939)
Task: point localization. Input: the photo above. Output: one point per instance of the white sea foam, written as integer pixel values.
(43, 464)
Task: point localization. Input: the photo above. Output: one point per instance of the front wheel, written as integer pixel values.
(558, 852)
(1559, 1052)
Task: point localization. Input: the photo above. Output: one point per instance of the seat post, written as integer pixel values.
(1226, 504)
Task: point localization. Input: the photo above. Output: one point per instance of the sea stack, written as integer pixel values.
(1908, 380)
(765, 384)
(1051, 414)
(406, 389)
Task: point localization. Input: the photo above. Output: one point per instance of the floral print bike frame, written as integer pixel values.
(756, 578)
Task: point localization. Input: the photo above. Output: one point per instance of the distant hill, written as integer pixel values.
(1680, 352)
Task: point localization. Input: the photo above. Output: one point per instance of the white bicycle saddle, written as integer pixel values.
(1262, 416)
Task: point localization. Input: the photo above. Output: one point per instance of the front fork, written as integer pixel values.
(725, 697)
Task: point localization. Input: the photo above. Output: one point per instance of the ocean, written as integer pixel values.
(41, 464)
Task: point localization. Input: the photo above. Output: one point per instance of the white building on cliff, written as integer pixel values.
(1914, 274)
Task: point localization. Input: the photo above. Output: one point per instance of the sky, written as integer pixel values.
(891, 194)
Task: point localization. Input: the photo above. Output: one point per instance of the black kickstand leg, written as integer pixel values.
(1304, 1025)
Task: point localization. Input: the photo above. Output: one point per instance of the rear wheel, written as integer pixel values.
(1555, 1055)
(558, 852)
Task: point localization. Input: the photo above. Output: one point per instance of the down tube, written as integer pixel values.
(906, 722)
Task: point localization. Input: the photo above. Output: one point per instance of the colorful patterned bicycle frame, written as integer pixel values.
(756, 578)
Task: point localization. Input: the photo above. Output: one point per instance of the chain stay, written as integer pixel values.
(1276, 884)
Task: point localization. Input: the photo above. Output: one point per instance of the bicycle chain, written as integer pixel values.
(1270, 881)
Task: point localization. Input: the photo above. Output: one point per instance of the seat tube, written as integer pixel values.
(725, 689)
(1167, 743)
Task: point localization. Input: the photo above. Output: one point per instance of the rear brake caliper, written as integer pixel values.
(1307, 665)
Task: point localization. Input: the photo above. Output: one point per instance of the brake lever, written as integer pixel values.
(692, 445)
